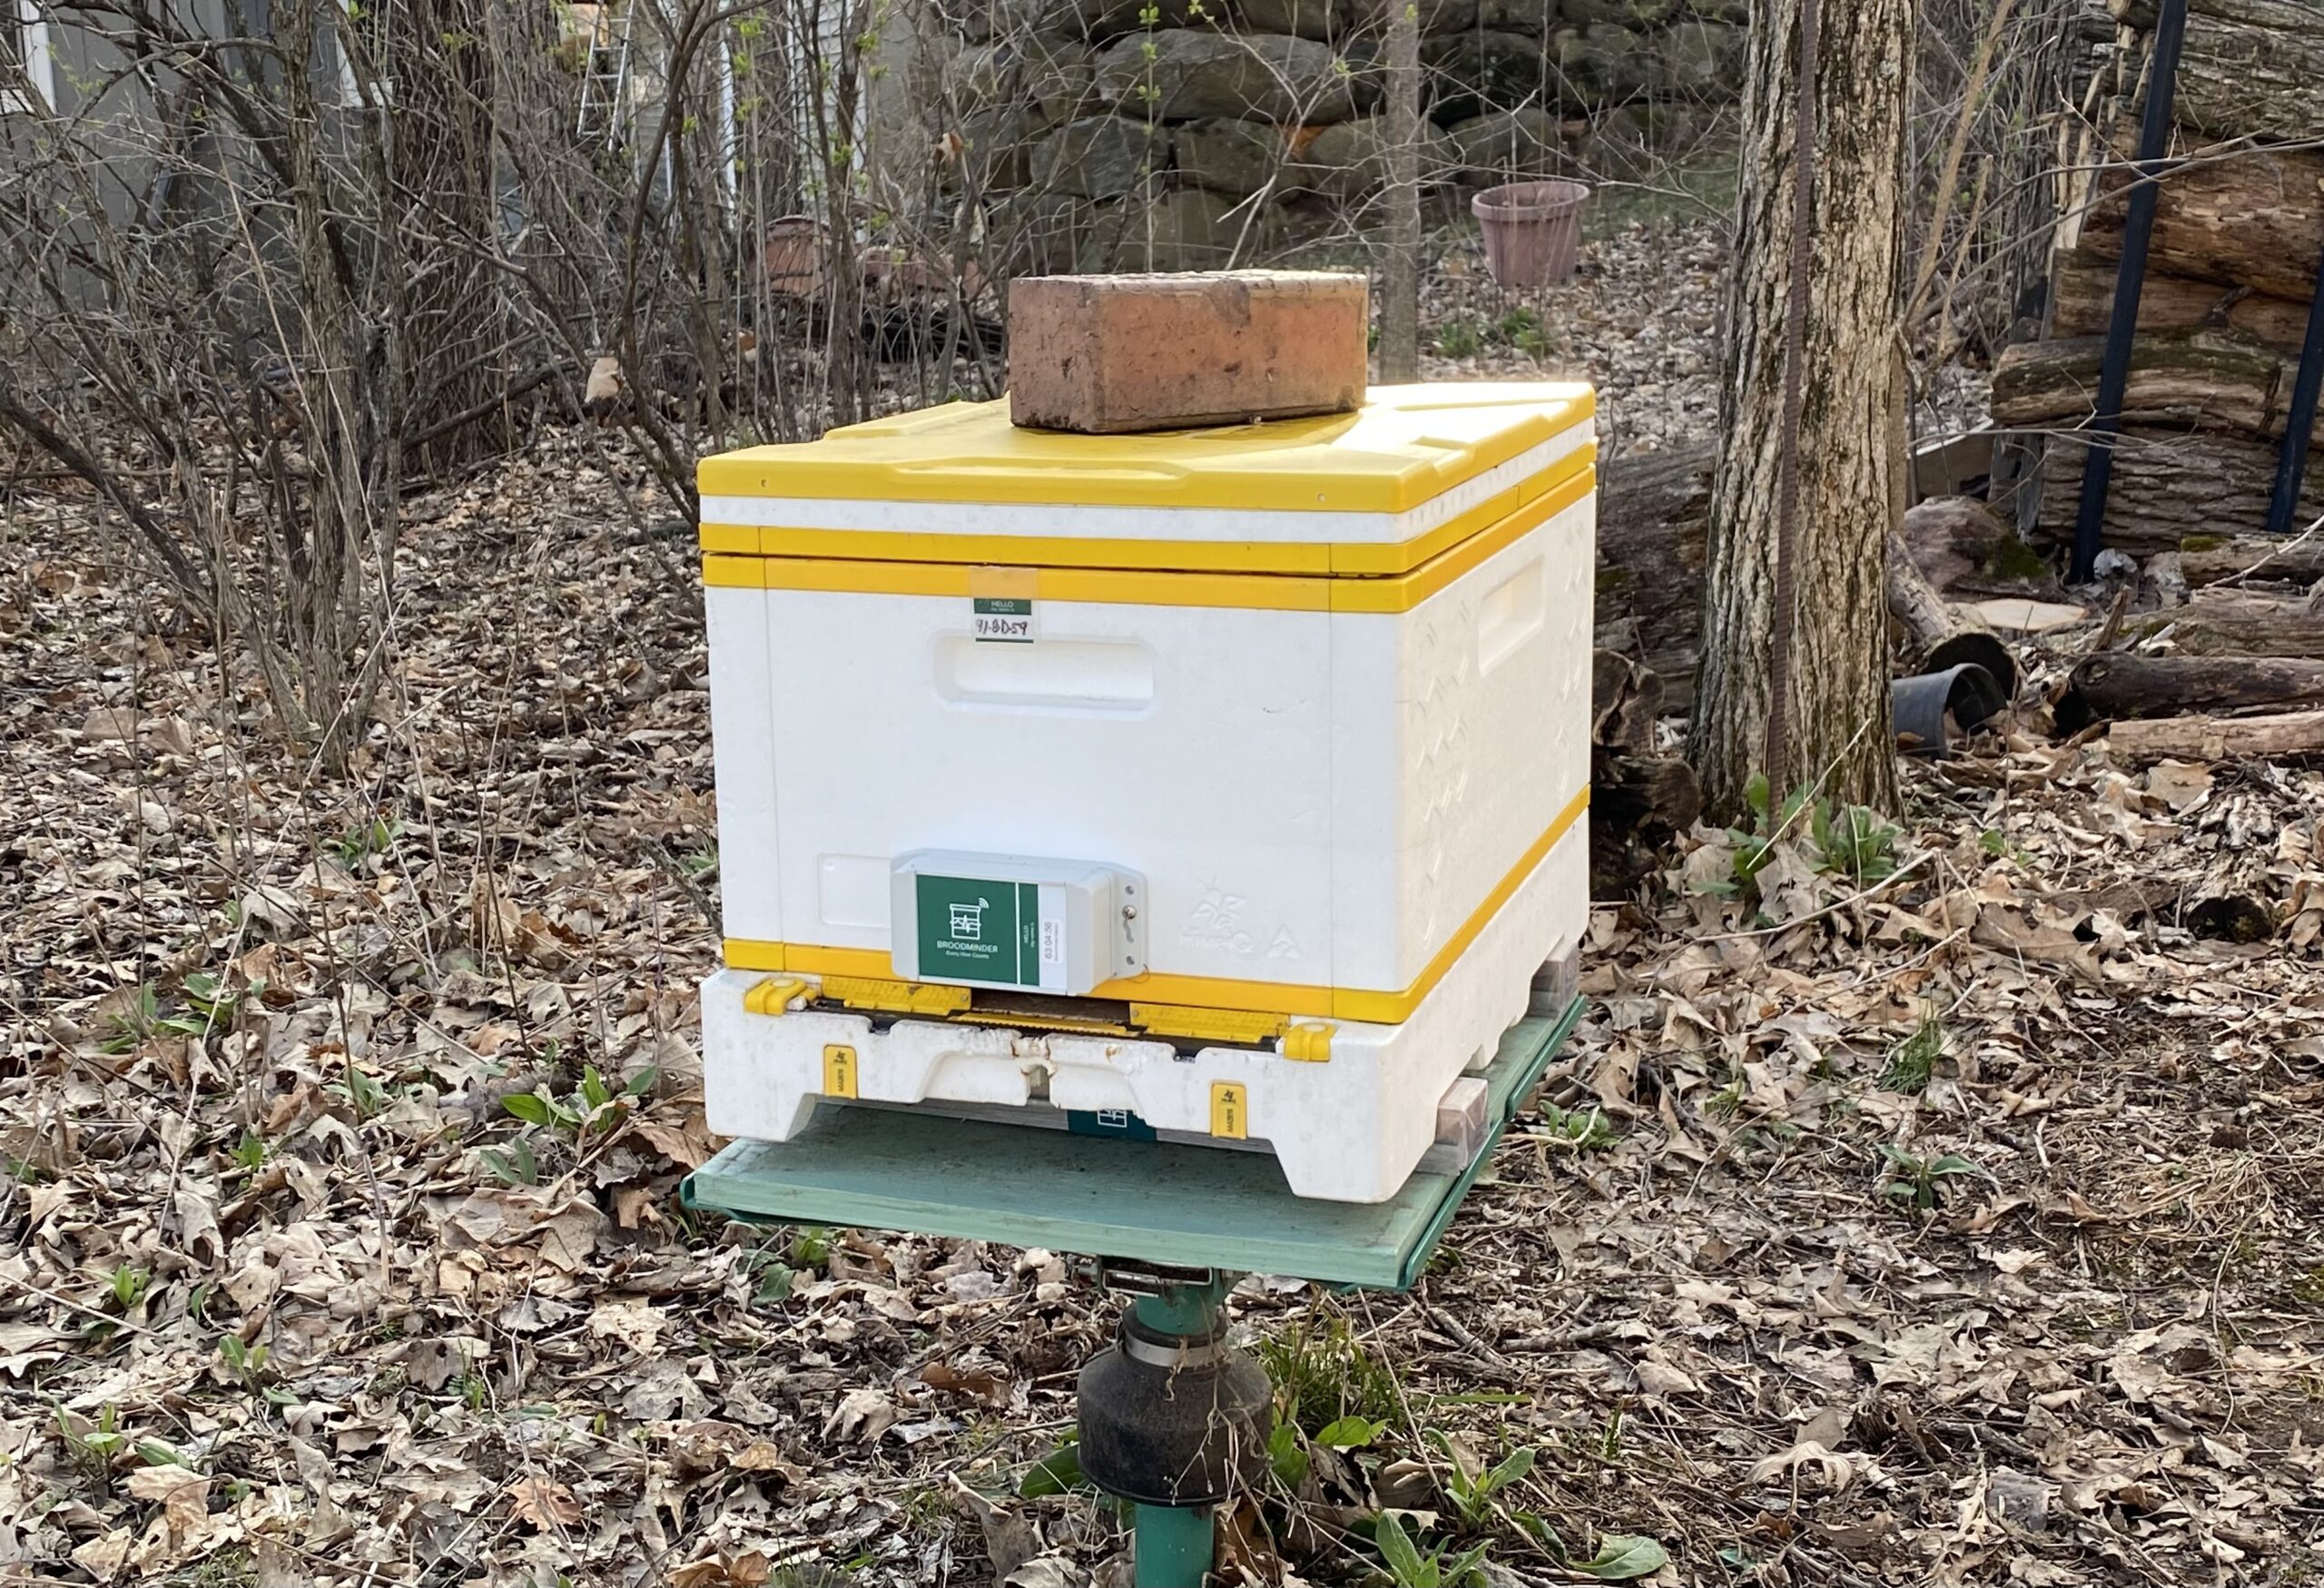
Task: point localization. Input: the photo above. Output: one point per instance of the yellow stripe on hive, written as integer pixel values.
(1140, 588)
(1154, 555)
(742, 539)
(744, 954)
(873, 963)
(744, 572)
(1403, 594)
(1005, 583)
(1363, 1005)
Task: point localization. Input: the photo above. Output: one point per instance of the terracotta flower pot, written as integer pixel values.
(1532, 231)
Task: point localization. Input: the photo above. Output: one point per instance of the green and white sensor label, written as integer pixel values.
(1004, 619)
(1004, 934)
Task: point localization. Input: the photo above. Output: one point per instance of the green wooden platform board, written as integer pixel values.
(1154, 1202)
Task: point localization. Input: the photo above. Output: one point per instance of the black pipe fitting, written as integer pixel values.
(1172, 1419)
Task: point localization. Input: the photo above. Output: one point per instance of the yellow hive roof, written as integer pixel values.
(1407, 445)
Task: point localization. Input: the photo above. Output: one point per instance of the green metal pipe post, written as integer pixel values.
(1171, 1547)
(1188, 1310)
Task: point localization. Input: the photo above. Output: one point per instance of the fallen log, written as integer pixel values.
(2170, 484)
(2223, 906)
(2204, 379)
(2219, 738)
(1653, 515)
(2082, 303)
(2120, 684)
(2239, 623)
(2249, 68)
(2206, 559)
(2234, 906)
(2251, 217)
(1940, 635)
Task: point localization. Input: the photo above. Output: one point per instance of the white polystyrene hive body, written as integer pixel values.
(1346, 755)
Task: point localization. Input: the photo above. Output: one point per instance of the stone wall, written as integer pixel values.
(1098, 135)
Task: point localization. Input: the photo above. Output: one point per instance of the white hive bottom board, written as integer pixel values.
(1351, 1129)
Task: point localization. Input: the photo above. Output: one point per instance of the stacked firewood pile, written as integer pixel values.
(2238, 233)
(2219, 649)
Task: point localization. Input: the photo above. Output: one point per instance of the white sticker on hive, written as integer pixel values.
(1053, 937)
(1005, 619)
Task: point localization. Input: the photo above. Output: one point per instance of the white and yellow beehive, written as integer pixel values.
(1232, 780)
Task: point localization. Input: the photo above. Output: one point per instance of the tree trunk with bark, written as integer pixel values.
(1399, 265)
(454, 325)
(1836, 721)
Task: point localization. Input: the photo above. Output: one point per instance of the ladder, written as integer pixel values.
(605, 75)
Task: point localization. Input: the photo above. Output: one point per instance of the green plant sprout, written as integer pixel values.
(1583, 1130)
(1855, 842)
(1912, 1062)
(1460, 340)
(1621, 1557)
(365, 1094)
(1409, 1568)
(93, 1447)
(358, 844)
(249, 1153)
(516, 1167)
(1916, 1181)
(206, 1009)
(591, 1106)
(1323, 1375)
(1472, 1494)
(1849, 841)
(247, 1363)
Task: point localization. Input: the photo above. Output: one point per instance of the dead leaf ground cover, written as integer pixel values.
(1951, 1224)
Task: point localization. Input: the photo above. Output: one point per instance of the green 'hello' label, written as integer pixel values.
(1002, 619)
(972, 930)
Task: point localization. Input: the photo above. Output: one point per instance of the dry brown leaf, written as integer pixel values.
(750, 1569)
(984, 1384)
(539, 1502)
(182, 1493)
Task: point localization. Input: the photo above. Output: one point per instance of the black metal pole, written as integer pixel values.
(2130, 281)
(2300, 426)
